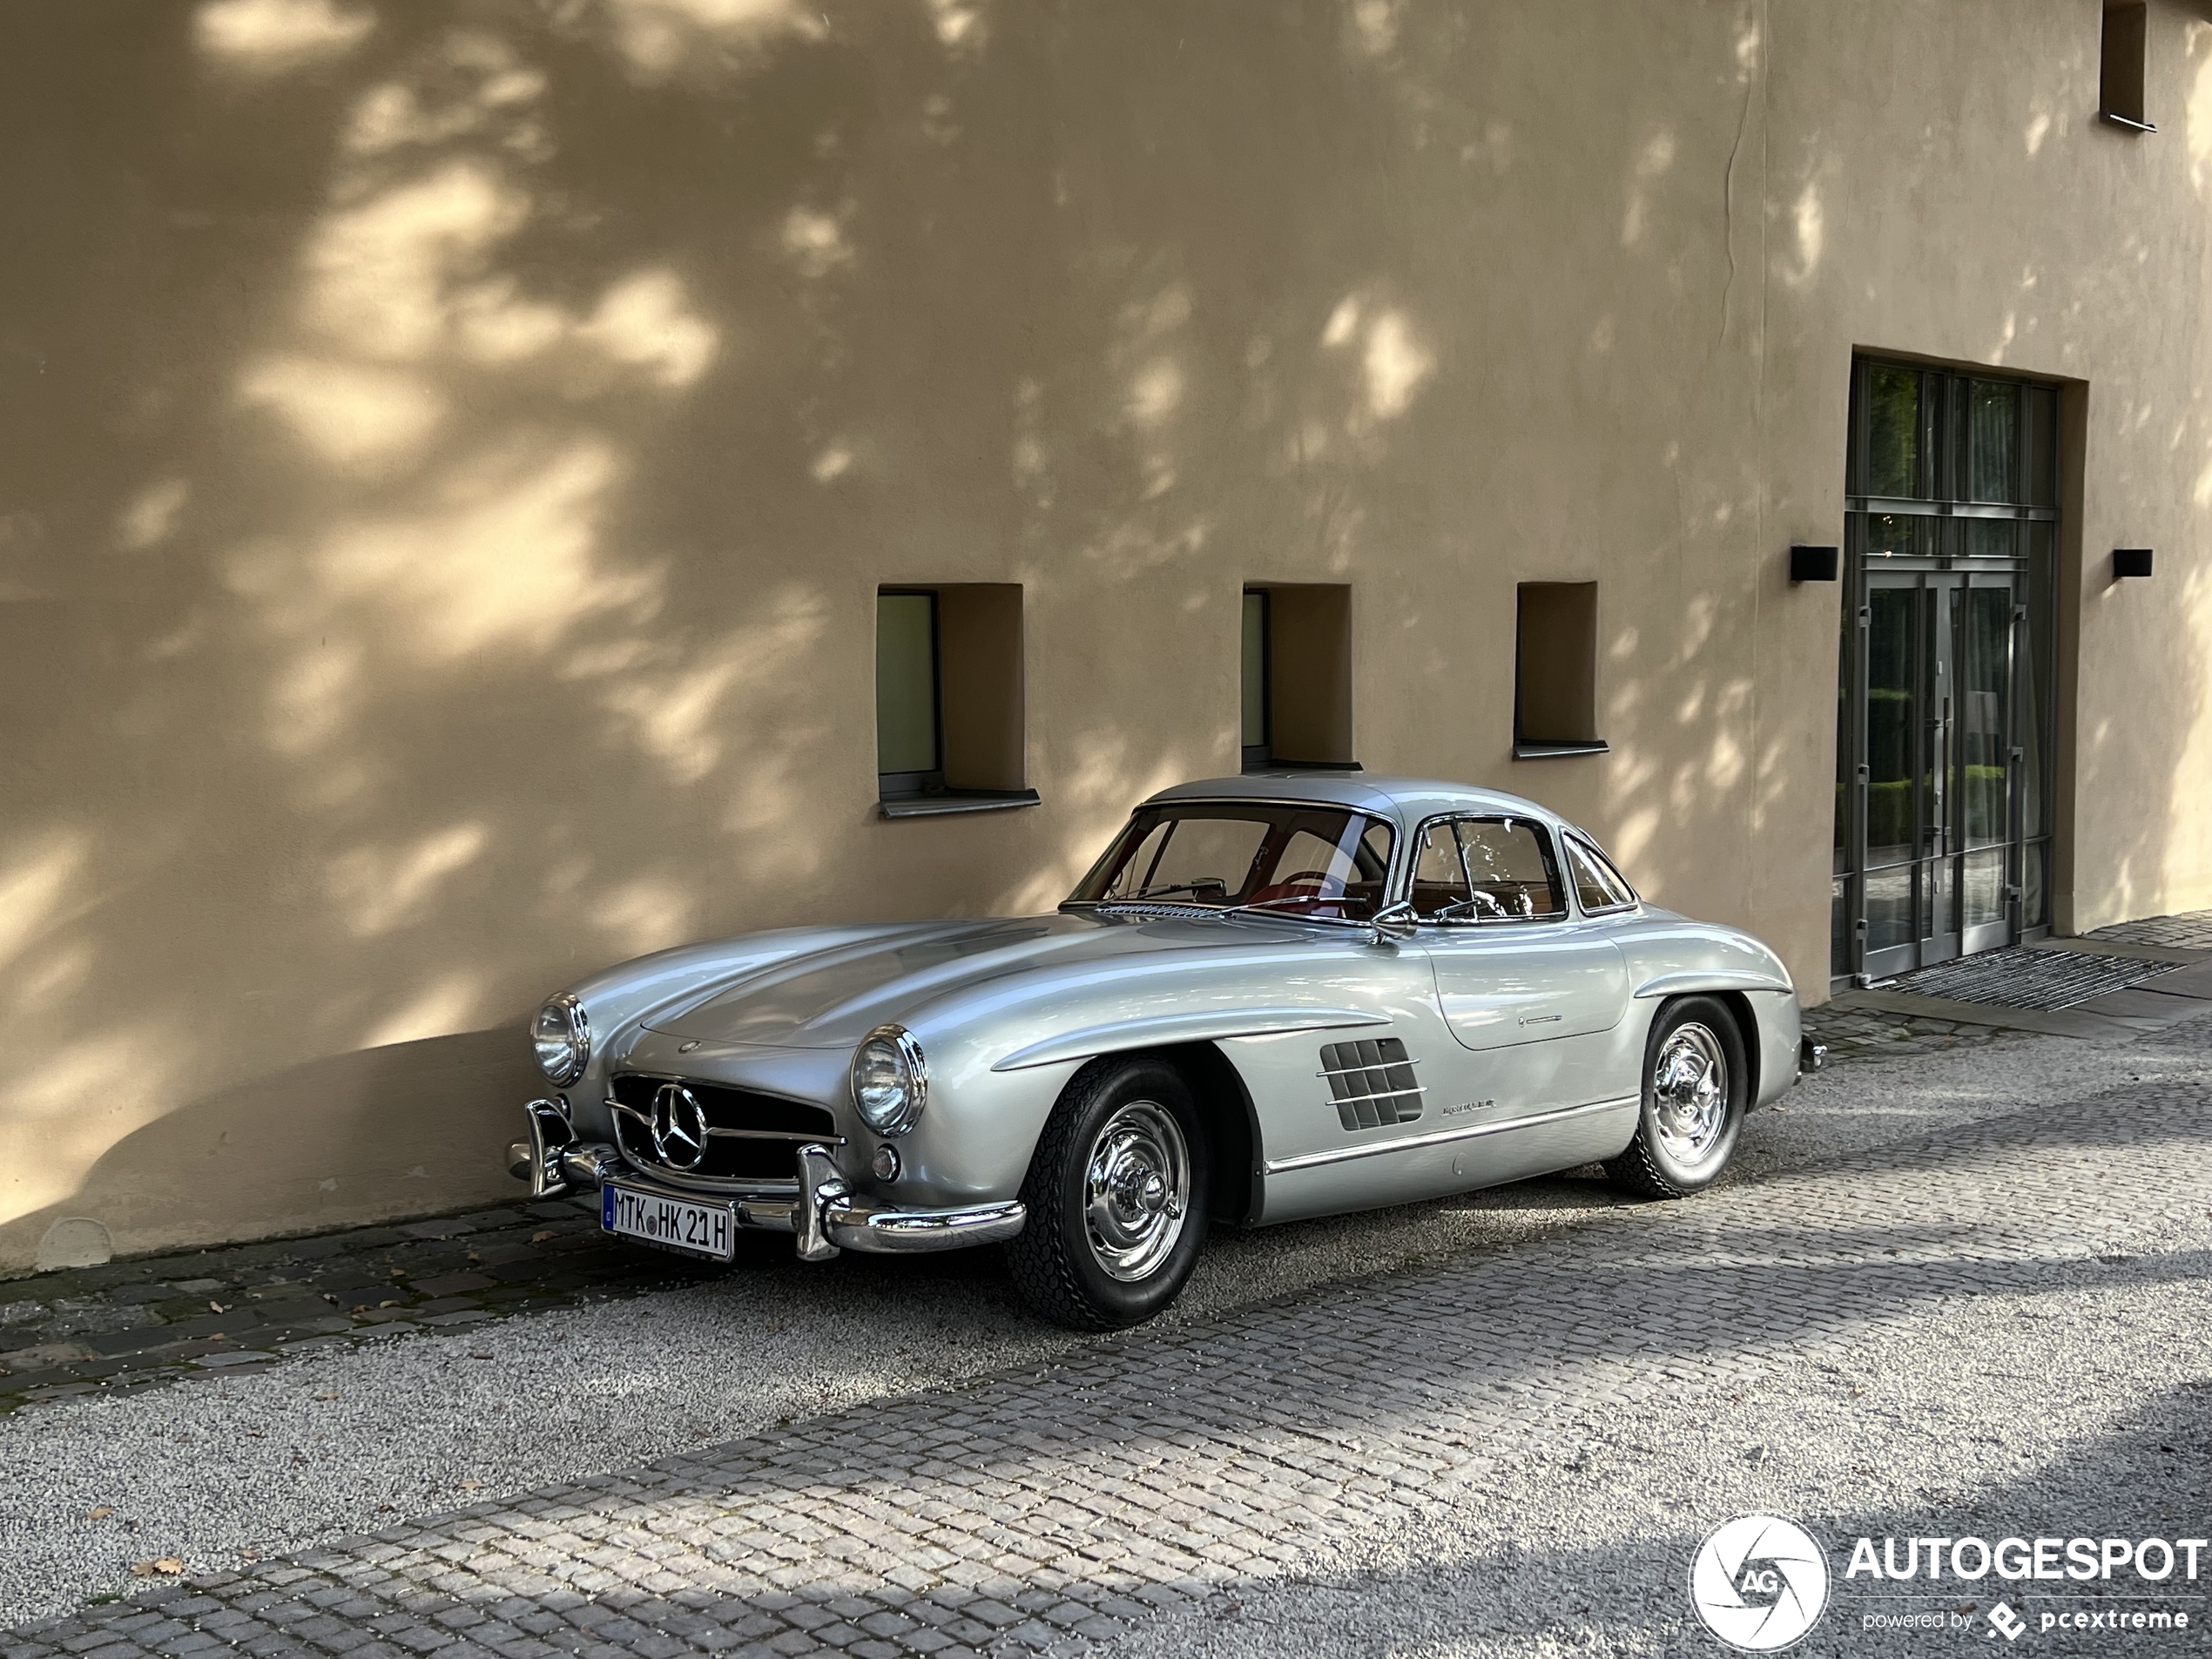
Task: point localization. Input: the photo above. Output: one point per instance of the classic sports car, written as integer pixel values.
(1273, 997)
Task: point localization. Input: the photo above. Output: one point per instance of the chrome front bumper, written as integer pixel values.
(825, 1215)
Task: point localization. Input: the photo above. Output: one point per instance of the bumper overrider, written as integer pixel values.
(825, 1215)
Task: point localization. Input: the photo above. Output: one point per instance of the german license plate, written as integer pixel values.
(672, 1223)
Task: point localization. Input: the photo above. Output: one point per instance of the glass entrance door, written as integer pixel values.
(1944, 708)
(1938, 805)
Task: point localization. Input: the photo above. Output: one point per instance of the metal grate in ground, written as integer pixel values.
(2020, 978)
(2192, 930)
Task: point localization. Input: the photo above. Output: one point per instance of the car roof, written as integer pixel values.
(1407, 800)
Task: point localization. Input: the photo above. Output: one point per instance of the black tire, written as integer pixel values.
(1059, 1261)
(1679, 1148)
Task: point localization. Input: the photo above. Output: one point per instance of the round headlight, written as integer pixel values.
(563, 1037)
(890, 1084)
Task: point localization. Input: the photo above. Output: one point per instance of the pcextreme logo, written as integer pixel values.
(1759, 1582)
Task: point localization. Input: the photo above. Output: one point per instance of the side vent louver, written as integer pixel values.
(1371, 1082)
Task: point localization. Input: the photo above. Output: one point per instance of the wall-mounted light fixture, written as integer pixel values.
(2130, 561)
(1814, 563)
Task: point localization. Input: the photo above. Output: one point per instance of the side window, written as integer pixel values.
(1597, 884)
(1439, 879)
(1509, 864)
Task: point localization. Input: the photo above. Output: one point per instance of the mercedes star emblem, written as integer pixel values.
(679, 1126)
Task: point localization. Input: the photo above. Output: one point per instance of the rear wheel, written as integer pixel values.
(1695, 1091)
(1116, 1193)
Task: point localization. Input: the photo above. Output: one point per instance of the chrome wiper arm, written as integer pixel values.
(1266, 907)
(1174, 887)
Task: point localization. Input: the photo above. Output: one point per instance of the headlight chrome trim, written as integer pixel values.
(576, 1043)
(907, 1052)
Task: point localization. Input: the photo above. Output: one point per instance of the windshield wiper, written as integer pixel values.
(1266, 907)
(1216, 883)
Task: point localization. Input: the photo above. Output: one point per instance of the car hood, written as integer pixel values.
(832, 996)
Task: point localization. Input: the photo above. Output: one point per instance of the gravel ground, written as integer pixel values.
(343, 1441)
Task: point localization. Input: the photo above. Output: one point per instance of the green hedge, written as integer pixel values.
(1889, 806)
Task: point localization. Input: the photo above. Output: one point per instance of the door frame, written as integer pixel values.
(1943, 546)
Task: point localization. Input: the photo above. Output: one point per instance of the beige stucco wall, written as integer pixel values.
(447, 457)
(1948, 191)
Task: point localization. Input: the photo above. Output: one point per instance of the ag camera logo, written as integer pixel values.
(1759, 1582)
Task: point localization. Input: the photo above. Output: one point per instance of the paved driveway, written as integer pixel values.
(1961, 1293)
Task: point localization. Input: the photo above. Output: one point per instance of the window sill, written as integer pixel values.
(938, 805)
(2127, 122)
(1530, 751)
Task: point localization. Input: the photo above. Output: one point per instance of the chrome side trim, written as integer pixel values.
(1439, 1138)
(1711, 979)
(1387, 1094)
(1182, 1028)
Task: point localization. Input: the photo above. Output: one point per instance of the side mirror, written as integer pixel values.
(1398, 919)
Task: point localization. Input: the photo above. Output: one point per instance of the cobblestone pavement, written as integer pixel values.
(139, 1323)
(1862, 1034)
(2190, 930)
(1052, 1507)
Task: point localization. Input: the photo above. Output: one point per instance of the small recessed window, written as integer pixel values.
(2120, 61)
(950, 731)
(1258, 751)
(1297, 676)
(1554, 708)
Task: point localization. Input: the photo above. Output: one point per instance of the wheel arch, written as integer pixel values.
(1225, 1111)
(1747, 1033)
(1232, 1128)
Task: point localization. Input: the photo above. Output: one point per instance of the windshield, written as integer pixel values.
(1294, 860)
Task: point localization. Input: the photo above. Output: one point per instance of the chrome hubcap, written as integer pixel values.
(1137, 1186)
(1690, 1092)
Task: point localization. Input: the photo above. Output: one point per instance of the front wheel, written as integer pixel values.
(1695, 1091)
(1116, 1198)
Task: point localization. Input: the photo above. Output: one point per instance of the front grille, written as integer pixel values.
(1371, 1082)
(760, 1134)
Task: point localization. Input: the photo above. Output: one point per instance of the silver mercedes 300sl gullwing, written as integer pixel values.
(1272, 998)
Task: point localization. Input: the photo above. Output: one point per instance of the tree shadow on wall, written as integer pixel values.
(454, 450)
